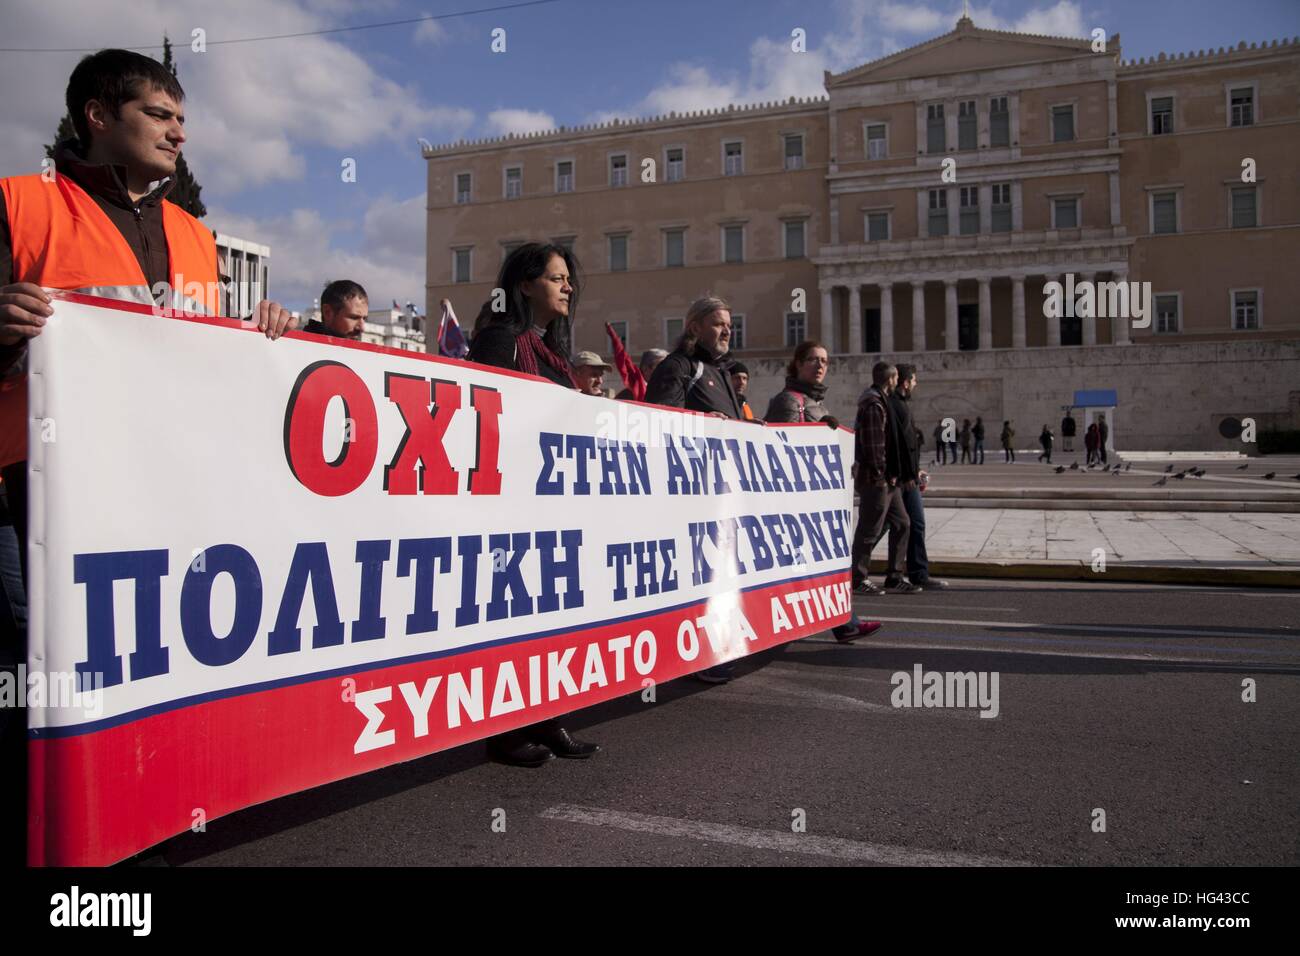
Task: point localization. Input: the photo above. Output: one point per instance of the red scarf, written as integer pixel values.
(531, 348)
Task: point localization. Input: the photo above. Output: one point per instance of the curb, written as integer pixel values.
(1115, 571)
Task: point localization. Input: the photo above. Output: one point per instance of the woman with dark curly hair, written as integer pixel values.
(541, 286)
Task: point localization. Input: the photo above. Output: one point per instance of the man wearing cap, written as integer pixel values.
(740, 382)
(589, 372)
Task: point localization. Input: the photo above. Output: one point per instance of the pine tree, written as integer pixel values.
(185, 192)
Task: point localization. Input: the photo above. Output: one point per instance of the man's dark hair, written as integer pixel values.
(339, 291)
(906, 371)
(115, 77)
(880, 373)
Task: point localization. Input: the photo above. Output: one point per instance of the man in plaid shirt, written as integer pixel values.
(879, 455)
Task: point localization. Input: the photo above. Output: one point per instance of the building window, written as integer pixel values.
(1162, 115)
(464, 186)
(564, 177)
(1244, 212)
(733, 243)
(1062, 124)
(969, 222)
(936, 135)
(938, 212)
(733, 159)
(618, 253)
(672, 332)
(796, 324)
(1245, 309)
(618, 170)
(966, 125)
(877, 141)
(1167, 313)
(795, 247)
(675, 247)
(999, 122)
(1164, 213)
(460, 259)
(1241, 102)
(737, 333)
(620, 329)
(1065, 213)
(794, 151)
(514, 182)
(676, 163)
(1000, 218)
(877, 227)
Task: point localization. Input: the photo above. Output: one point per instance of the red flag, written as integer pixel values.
(632, 376)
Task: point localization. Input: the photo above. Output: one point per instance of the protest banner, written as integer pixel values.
(278, 565)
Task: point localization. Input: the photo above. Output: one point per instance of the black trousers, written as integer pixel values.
(880, 506)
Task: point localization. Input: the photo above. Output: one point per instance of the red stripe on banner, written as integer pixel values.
(102, 796)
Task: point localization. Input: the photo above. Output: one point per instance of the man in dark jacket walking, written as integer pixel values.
(880, 455)
(978, 433)
(900, 406)
(696, 376)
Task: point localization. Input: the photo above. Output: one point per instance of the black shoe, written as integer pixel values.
(932, 584)
(721, 674)
(866, 589)
(515, 752)
(561, 744)
(902, 586)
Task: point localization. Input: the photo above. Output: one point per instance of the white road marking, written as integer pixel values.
(804, 843)
(1088, 628)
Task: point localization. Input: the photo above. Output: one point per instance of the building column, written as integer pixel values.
(918, 316)
(950, 341)
(1119, 324)
(1054, 324)
(855, 318)
(1017, 312)
(886, 317)
(828, 321)
(986, 314)
(1090, 321)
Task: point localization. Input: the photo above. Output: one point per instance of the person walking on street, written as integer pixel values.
(1067, 431)
(1008, 443)
(803, 400)
(912, 480)
(1045, 439)
(978, 433)
(1103, 432)
(542, 286)
(879, 453)
(964, 437)
(696, 375)
(940, 446)
(1090, 445)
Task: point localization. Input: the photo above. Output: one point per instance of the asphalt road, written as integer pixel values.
(1126, 699)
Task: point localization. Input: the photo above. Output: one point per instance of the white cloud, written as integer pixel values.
(429, 33)
(909, 19)
(506, 121)
(388, 260)
(1062, 19)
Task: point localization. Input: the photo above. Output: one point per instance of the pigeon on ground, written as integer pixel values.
(1243, 467)
(1270, 476)
(1169, 467)
(1116, 468)
(1161, 482)
(1296, 477)
(1073, 467)
(1128, 465)
(1181, 475)
(1058, 469)
(1115, 473)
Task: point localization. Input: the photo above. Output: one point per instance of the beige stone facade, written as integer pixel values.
(920, 207)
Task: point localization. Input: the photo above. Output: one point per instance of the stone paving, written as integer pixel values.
(1173, 538)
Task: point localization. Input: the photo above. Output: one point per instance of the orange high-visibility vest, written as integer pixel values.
(61, 239)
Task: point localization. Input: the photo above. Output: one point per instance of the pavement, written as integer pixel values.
(1119, 707)
(1025, 520)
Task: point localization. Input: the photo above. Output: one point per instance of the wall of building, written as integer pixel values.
(1171, 397)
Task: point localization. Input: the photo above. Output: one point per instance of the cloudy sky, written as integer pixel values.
(272, 120)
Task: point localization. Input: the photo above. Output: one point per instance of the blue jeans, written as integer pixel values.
(918, 562)
(979, 451)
